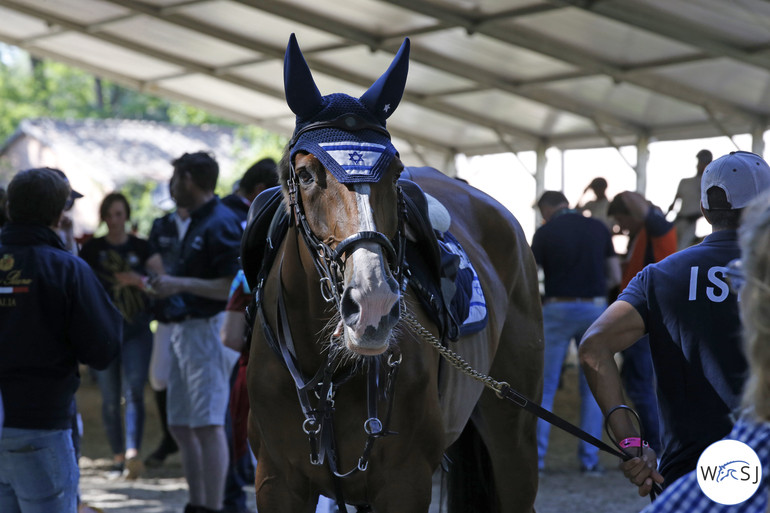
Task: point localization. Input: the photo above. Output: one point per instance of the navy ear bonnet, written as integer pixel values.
(346, 134)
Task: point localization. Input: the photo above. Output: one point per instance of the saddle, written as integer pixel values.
(432, 270)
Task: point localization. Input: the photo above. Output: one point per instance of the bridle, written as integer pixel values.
(330, 264)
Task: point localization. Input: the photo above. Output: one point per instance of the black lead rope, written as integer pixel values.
(512, 395)
(656, 488)
(504, 391)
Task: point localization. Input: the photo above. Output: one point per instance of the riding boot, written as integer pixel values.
(167, 444)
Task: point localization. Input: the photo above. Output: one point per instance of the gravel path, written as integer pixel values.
(562, 488)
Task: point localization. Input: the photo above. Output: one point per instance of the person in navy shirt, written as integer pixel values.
(751, 280)
(580, 266)
(199, 376)
(685, 304)
(54, 314)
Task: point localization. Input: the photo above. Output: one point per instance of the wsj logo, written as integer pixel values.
(729, 472)
(739, 470)
(718, 288)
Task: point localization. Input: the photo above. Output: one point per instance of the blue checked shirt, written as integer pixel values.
(685, 495)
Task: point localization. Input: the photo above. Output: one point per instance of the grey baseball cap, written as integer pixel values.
(741, 174)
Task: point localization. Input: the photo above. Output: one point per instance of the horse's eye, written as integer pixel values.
(305, 176)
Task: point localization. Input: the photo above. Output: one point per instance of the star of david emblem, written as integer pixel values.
(356, 158)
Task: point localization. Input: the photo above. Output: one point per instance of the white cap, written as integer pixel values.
(741, 174)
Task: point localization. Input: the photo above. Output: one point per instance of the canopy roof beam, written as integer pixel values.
(530, 39)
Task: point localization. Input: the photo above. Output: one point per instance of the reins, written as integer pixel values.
(318, 423)
(503, 390)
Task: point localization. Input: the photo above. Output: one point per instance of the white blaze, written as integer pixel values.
(369, 277)
(365, 212)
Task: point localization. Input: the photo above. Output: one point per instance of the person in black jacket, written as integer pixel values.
(54, 313)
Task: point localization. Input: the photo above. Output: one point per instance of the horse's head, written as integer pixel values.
(340, 175)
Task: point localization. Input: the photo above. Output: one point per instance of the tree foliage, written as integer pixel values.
(35, 88)
(32, 88)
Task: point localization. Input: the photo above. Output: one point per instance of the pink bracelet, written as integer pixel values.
(633, 441)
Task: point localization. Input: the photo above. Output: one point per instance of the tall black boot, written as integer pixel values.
(167, 444)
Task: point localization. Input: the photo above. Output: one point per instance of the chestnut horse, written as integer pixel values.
(346, 399)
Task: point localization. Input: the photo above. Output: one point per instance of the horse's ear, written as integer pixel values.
(383, 97)
(302, 94)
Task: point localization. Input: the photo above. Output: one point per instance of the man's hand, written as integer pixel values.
(643, 471)
(130, 278)
(165, 285)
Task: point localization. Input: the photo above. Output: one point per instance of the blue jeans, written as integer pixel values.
(38, 471)
(563, 322)
(125, 377)
(638, 377)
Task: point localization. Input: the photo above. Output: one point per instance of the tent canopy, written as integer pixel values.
(486, 76)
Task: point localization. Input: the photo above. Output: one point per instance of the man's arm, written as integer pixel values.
(154, 265)
(96, 326)
(618, 328)
(233, 330)
(217, 288)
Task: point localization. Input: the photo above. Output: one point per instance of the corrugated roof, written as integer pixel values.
(486, 75)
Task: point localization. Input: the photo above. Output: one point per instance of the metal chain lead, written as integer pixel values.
(455, 359)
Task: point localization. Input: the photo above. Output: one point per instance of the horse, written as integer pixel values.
(346, 398)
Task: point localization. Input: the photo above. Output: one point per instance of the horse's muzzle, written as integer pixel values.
(365, 333)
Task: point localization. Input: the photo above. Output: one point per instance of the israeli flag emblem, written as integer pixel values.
(355, 158)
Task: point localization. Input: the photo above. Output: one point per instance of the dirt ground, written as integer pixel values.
(562, 488)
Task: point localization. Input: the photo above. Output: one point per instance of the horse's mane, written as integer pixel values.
(284, 167)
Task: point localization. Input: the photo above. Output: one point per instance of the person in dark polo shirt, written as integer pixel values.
(685, 305)
(199, 375)
(54, 313)
(580, 266)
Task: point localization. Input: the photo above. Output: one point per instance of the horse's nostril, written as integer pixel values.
(349, 308)
(395, 312)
